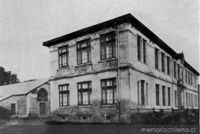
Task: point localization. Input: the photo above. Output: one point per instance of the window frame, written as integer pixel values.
(164, 95)
(139, 48)
(106, 88)
(80, 49)
(142, 92)
(144, 51)
(61, 55)
(111, 44)
(168, 65)
(163, 62)
(83, 90)
(67, 92)
(156, 58)
(157, 94)
(169, 96)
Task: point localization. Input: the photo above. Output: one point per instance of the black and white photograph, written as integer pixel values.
(99, 66)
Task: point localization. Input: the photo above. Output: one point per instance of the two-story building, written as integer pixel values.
(112, 68)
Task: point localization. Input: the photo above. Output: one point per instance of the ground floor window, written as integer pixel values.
(163, 95)
(64, 95)
(157, 95)
(142, 86)
(84, 93)
(108, 91)
(196, 101)
(169, 96)
(175, 98)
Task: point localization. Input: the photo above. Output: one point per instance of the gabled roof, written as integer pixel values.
(20, 88)
(128, 18)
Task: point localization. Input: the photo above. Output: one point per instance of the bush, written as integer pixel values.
(33, 116)
(178, 117)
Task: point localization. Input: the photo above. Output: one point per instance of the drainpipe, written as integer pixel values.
(118, 79)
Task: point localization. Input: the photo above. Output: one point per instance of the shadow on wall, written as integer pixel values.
(4, 113)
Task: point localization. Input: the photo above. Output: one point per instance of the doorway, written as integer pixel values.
(42, 108)
(13, 109)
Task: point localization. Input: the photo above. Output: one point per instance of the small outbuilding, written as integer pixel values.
(30, 98)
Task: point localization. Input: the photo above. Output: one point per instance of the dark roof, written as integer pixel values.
(113, 22)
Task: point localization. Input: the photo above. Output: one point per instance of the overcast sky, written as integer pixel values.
(26, 24)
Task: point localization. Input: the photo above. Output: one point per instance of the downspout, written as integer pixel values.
(118, 65)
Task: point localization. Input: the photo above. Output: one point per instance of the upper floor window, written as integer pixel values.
(142, 92)
(108, 47)
(108, 91)
(42, 95)
(84, 93)
(163, 62)
(186, 78)
(178, 71)
(83, 52)
(156, 58)
(141, 49)
(144, 50)
(175, 69)
(63, 56)
(64, 95)
(138, 47)
(168, 65)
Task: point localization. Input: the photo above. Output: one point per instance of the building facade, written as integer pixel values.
(26, 99)
(117, 66)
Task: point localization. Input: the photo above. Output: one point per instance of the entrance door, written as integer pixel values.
(42, 108)
(13, 109)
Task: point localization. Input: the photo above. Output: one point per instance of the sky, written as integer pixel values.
(26, 24)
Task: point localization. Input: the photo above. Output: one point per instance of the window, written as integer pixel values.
(186, 76)
(163, 62)
(141, 49)
(191, 79)
(138, 47)
(169, 96)
(84, 93)
(144, 50)
(108, 48)
(142, 92)
(156, 58)
(187, 99)
(157, 95)
(196, 100)
(176, 99)
(63, 56)
(168, 65)
(64, 95)
(42, 95)
(191, 100)
(83, 52)
(163, 95)
(178, 71)
(175, 69)
(108, 91)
